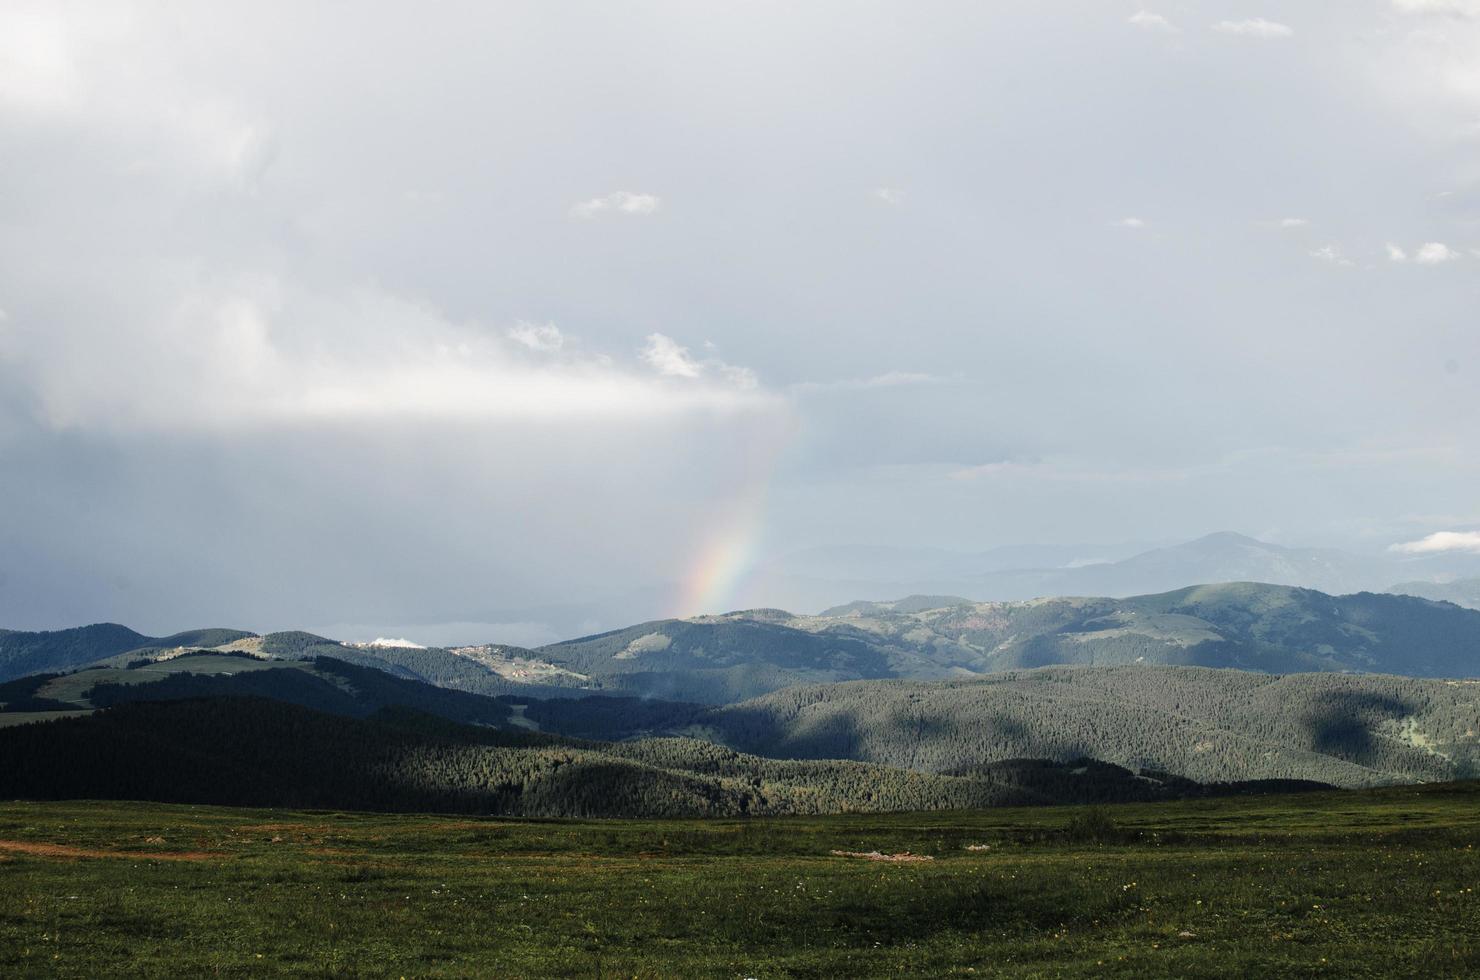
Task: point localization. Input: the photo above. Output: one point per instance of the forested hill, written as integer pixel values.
(1349, 730)
(1209, 725)
(23, 653)
(252, 752)
(323, 683)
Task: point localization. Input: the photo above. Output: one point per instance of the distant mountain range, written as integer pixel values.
(732, 657)
(829, 576)
(1463, 592)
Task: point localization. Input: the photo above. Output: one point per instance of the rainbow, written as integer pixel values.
(725, 561)
(728, 555)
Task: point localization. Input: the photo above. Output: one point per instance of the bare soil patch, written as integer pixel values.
(39, 849)
(901, 857)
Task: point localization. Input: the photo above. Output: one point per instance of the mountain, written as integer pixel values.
(254, 752)
(1348, 730)
(1462, 592)
(488, 669)
(823, 577)
(1222, 557)
(732, 657)
(1270, 628)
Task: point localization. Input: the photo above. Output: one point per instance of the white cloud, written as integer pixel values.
(1454, 8)
(672, 360)
(1331, 254)
(888, 195)
(1434, 253)
(1148, 21)
(265, 353)
(1396, 253)
(669, 358)
(618, 202)
(1440, 542)
(1254, 27)
(1131, 223)
(544, 337)
(1293, 222)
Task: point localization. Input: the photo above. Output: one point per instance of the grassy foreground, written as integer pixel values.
(1379, 883)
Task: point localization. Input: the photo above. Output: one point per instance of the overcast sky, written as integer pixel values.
(386, 316)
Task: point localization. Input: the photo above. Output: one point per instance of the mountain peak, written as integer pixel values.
(1226, 539)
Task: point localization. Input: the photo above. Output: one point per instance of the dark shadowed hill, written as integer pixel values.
(252, 752)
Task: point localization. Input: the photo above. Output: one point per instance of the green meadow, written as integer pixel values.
(1372, 883)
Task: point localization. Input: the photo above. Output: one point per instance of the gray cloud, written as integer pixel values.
(420, 318)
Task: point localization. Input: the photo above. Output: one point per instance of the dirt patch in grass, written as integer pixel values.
(37, 849)
(901, 857)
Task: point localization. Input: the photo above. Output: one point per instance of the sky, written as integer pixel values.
(460, 319)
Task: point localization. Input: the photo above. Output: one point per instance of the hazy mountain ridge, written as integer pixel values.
(1461, 592)
(829, 577)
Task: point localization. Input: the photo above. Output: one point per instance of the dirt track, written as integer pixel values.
(62, 851)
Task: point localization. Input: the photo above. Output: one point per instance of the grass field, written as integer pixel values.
(1379, 883)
